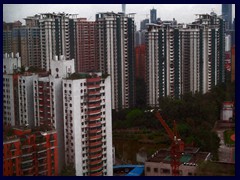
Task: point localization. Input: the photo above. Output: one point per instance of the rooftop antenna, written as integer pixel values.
(124, 8)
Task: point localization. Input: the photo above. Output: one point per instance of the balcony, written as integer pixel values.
(94, 93)
(94, 99)
(94, 118)
(94, 105)
(91, 112)
(95, 156)
(95, 131)
(97, 79)
(95, 150)
(94, 162)
(96, 174)
(95, 125)
(98, 143)
(97, 168)
(95, 137)
(93, 86)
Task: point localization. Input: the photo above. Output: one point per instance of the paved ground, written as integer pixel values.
(226, 154)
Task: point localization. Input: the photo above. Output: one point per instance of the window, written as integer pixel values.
(155, 170)
(165, 171)
(148, 169)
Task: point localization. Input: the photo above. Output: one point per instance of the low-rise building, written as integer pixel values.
(159, 164)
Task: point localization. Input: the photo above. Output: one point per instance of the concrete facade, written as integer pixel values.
(87, 124)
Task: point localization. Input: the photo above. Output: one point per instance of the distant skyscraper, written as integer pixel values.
(143, 24)
(116, 55)
(153, 15)
(227, 15)
(124, 8)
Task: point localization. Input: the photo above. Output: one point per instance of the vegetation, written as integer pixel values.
(195, 115)
(140, 93)
(68, 171)
(215, 169)
(78, 76)
(35, 69)
(227, 137)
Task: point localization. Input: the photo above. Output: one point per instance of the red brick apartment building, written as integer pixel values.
(86, 46)
(140, 52)
(29, 152)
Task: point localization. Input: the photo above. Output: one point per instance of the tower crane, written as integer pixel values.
(177, 145)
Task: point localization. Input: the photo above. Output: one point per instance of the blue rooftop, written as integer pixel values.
(137, 170)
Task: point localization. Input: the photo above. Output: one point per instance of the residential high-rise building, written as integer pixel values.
(140, 56)
(140, 38)
(29, 152)
(11, 64)
(57, 37)
(227, 15)
(86, 46)
(153, 15)
(48, 101)
(115, 33)
(25, 95)
(183, 59)
(8, 37)
(87, 124)
(30, 42)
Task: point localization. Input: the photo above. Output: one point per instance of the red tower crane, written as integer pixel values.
(177, 145)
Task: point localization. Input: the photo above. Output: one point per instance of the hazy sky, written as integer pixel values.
(183, 13)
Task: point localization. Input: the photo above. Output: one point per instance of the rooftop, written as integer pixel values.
(190, 156)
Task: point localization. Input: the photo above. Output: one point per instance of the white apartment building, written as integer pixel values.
(115, 36)
(184, 58)
(11, 63)
(153, 68)
(48, 101)
(10, 89)
(57, 36)
(25, 95)
(88, 124)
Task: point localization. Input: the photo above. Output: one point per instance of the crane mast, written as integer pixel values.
(177, 145)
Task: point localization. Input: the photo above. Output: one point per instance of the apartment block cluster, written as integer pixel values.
(67, 74)
(174, 58)
(77, 106)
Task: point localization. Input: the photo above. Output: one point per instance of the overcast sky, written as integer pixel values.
(183, 13)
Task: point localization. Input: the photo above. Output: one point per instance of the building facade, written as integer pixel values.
(184, 58)
(11, 65)
(48, 101)
(153, 16)
(115, 33)
(57, 37)
(227, 15)
(30, 153)
(87, 124)
(86, 46)
(140, 64)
